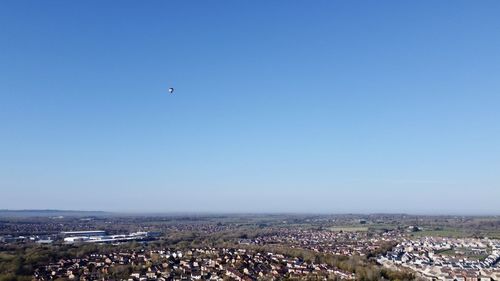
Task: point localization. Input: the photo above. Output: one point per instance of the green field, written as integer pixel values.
(462, 252)
(349, 228)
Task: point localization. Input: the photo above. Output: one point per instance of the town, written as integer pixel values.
(251, 247)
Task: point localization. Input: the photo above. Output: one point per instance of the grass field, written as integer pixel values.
(349, 228)
(380, 226)
(462, 252)
(442, 233)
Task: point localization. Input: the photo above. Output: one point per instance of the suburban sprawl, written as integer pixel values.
(248, 247)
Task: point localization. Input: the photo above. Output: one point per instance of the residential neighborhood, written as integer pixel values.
(448, 258)
(194, 264)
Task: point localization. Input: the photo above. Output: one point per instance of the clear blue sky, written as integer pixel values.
(280, 106)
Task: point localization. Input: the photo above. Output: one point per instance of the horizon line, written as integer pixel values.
(233, 213)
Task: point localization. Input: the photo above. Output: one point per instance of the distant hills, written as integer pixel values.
(50, 213)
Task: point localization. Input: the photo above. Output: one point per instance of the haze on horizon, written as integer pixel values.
(324, 107)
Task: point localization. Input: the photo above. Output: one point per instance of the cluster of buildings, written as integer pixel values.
(326, 241)
(448, 258)
(90, 236)
(43, 226)
(40, 239)
(194, 264)
(100, 236)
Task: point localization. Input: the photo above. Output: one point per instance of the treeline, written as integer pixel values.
(186, 239)
(17, 262)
